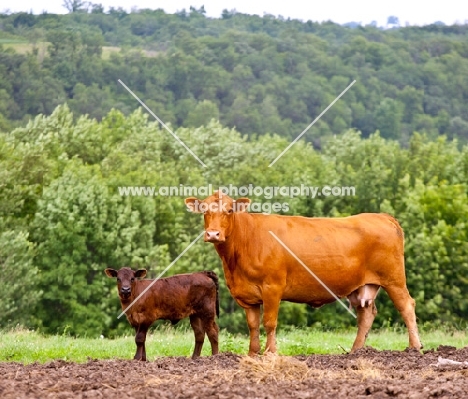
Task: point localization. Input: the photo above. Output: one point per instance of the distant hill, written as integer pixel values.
(259, 74)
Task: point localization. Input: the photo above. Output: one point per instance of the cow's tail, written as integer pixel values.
(215, 279)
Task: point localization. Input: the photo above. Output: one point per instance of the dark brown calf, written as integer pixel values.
(173, 298)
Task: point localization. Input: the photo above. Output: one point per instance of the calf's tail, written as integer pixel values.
(214, 277)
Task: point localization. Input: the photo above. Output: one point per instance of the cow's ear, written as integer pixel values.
(241, 204)
(193, 204)
(140, 273)
(111, 272)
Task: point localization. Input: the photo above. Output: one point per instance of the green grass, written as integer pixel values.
(108, 50)
(6, 41)
(309, 341)
(28, 346)
(6, 37)
(22, 46)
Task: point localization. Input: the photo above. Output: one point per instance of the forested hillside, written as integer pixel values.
(236, 90)
(258, 74)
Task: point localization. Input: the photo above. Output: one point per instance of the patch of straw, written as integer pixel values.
(273, 367)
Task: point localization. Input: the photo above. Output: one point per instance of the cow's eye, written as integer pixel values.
(132, 279)
(230, 211)
(118, 280)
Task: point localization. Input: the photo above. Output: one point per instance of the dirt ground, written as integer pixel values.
(367, 373)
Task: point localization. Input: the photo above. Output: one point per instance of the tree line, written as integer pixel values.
(63, 219)
(261, 75)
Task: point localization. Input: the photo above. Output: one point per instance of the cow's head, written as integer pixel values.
(219, 209)
(125, 279)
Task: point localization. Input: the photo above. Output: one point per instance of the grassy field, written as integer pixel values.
(27, 346)
(22, 46)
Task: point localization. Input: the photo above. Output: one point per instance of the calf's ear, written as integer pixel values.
(140, 273)
(111, 272)
(241, 204)
(193, 204)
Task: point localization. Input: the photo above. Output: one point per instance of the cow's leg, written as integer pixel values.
(253, 321)
(406, 306)
(140, 339)
(212, 330)
(271, 303)
(363, 299)
(199, 332)
(365, 318)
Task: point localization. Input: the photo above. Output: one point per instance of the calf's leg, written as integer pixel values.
(253, 321)
(199, 332)
(212, 330)
(140, 339)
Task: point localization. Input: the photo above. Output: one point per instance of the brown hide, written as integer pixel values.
(173, 298)
(344, 253)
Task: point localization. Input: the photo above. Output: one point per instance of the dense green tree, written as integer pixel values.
(388, 119)
(80, 229)
(19, 280)
(201, 114)
(92, 101)
(75, 5)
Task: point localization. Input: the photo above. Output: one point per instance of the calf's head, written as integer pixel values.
(125, 279)
(219, 210)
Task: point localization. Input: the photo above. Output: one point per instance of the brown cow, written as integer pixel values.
(173, 298)
(353, 256)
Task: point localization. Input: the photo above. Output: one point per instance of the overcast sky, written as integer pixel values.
(413, 12)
